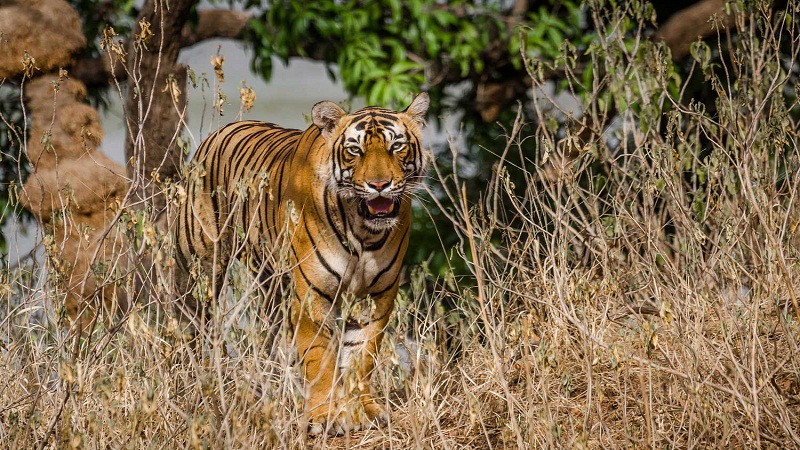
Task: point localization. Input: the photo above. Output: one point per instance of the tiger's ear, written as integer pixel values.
(418, 108)
(326, 115)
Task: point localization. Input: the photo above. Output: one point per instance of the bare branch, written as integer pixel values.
(689, 24)
(212, 23)
(215, 23)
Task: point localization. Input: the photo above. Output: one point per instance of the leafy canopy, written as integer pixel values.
(385, 50)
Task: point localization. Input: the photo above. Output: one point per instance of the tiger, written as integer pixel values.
(345, 186)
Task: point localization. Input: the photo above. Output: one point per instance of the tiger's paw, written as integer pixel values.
(339, 421)
(375, 411)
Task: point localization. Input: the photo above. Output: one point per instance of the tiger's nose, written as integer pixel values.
(378, 185)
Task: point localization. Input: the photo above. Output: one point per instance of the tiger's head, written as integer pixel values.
(377, 156)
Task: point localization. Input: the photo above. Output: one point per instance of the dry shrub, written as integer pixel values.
(637, 287)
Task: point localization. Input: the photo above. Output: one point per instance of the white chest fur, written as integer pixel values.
(357, 273)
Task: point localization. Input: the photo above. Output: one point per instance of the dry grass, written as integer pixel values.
(617, 300)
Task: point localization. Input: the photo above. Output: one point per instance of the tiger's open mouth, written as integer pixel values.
(379, 208)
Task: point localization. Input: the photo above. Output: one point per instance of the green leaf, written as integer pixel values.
(442, 17)
(404, 66)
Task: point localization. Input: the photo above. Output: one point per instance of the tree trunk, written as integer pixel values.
(156, 101)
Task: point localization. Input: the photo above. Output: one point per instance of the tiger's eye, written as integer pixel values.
(397, 146)
(353, 150)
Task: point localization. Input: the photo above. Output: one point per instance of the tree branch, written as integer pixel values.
(212, 23)
(696, 21)
(215, 23)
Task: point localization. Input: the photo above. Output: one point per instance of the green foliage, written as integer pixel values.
(380, 47)
(385, 50)
(547, 30)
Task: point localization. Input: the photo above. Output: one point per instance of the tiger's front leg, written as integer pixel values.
(338, 370)
(317, 352)
(360, 344)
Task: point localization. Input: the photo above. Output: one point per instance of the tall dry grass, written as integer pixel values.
(635, 286)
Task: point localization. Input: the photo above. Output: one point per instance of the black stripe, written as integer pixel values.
(279, 157)
(378, 319)
(385, 290)
(258, 158)
(244, 163)
(313, 133)
(388, 125)
(311, 286)
(339, 236)
(212, 176)
(182, 258)
(191, 227)
(279, 196)
(372, 114)
(219, 147)
(319, 255)
(235, 162)
(343, 215)
(393, 262)
(379, 243)
(188, 223)
(307, 361)
(350, 325)
(280, 152)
